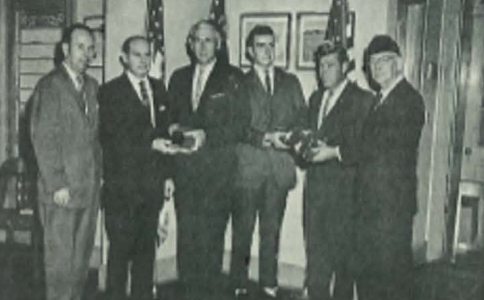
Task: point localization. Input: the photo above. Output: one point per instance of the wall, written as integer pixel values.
(371, 19)
(126, 17)
(85, 8)
(3, 82)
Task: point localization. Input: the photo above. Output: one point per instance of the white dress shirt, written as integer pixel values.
(207, 70)
(384, 92)
(329, 102)
(73, 75)
(135, 82)
(261, 72)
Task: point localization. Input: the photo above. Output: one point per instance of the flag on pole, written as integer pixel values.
(217, 14)
(340, 26)
(156, 34)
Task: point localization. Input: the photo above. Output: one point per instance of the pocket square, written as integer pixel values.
(217, 95)
(161, 108)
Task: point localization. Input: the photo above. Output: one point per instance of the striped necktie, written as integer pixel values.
(145, 98)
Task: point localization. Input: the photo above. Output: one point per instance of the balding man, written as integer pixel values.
(64, 135)
(133, 113)
(204, 108)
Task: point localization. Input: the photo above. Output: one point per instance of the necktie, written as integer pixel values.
(325, 107)
(379, 97)
(145, 98)
(198, 90)
(268, 83)
(80, 86)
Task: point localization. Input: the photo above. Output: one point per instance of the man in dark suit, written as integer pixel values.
(387, 180)
(133, 113)
(266, 171)
(204, 108)
(337, 112)
(64, 123)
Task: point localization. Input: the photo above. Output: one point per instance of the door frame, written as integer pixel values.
(466, 35)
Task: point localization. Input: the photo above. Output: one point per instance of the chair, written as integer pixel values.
(471, 197)
(20, 231)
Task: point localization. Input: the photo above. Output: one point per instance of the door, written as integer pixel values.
(472, 167)
(471, 221)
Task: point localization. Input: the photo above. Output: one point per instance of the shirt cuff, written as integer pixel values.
(338, 154)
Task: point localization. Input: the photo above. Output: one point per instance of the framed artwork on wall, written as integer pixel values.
(311, 32)
(280, 23)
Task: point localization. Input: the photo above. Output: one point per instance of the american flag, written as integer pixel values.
(155, 28)
(339, 29)
(340, 26)
(217, 14)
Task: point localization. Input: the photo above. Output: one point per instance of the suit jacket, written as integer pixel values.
(218, 114)
(387, 157)
(284, 110)
(64, 132)
(330, 186)
(331, 183)
(134, 173)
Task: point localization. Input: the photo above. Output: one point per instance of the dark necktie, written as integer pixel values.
(325, 108)
(378, 100)
(145, 98)
(268, 83)
(80, 89)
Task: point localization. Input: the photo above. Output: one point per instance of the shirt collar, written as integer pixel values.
(73, 75)
(385, 92)
(135, 80)
(207, 69)
(339, 89)
(261, 72)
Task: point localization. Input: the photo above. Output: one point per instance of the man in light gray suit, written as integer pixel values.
(64, 123)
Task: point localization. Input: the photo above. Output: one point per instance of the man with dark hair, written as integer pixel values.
(133, 114)
(204, 108)
(266, 171)
(64, 123)
(387, 179)
(337, 111)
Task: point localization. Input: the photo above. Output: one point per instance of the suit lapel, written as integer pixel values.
(130, 92)
(316, 106)
(77, 95)
(338, 109)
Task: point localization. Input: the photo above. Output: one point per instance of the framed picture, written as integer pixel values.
(96, 23)
(311, 32)
(279, 22)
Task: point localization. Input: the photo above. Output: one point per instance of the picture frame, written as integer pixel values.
(311, 32)
(96, 23)
(280, 23)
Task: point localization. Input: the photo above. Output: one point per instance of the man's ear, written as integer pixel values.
(124, 58)
(250, 53)
(399, 63)
(65, 49)
(344, 67)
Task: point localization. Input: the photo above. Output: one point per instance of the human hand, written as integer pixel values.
(162, 145)
(198, 135)
(321, 153)
(172, 128)
(276, 140)
(62, 197)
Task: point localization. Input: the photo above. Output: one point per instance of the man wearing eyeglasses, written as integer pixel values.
(386, 178)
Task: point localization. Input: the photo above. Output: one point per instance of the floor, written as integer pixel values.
(463, 280)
